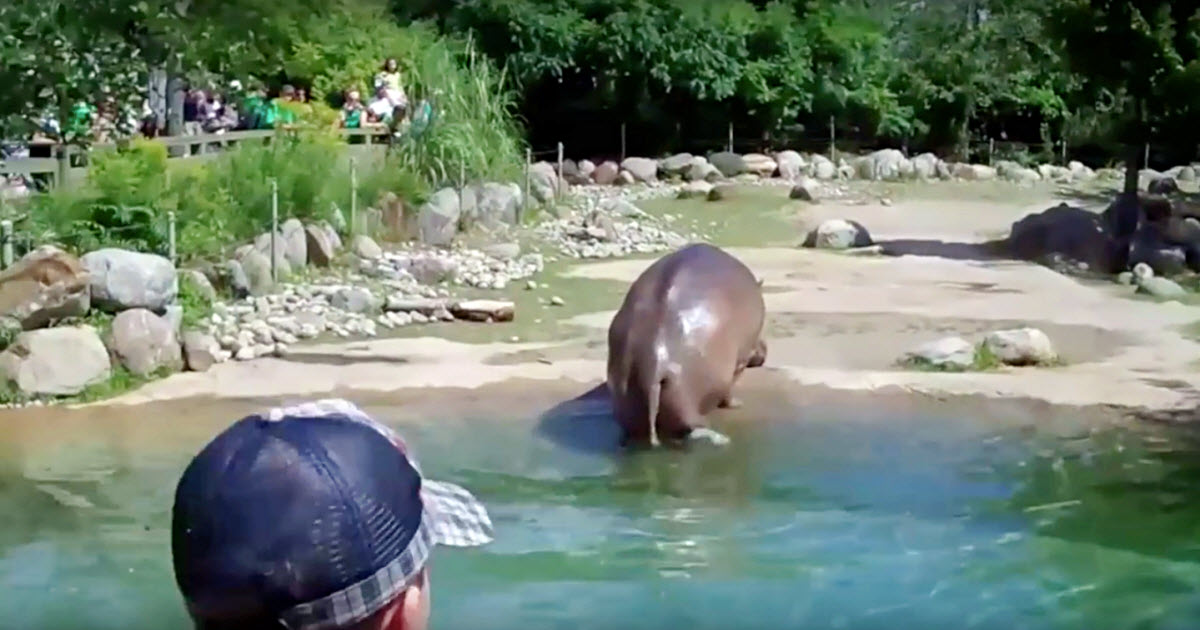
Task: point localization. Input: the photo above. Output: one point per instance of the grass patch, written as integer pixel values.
(197, 307)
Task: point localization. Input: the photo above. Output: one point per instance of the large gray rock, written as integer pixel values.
(1163, 288)
(145, 343)
(366, 248)
(496, 204)
(1021, 346)
(791, 164)
(761, 165)
(729, 164)
(702, 171)
(56, 361)
(197, 283)
(1054, 173)
(1065, 232)
(884, 165)
(697, 189)
(256, 269)
(606, 173)
(354, 300)
(586, 169)
(1149, 246)
(838, 234)
(643, 170)
(949, 353)
(45, 285)
(677, 164)
(804, 190)
(200, 350)
(925, 166)
(543, 181)
(318, 247)
(262, 244)
(121, 279)
(823, 167)
(437, 220)
(295, 243)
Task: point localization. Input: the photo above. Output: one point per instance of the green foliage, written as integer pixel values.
(197, 308)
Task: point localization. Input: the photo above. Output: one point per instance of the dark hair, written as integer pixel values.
(390, 60)
(288, 90)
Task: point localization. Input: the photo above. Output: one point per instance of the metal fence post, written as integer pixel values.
(353, 197)
(171, 236)
(462, 182)
(622, 142)
(991, 150)
(528, 164)
(731, 137)
(559, 182)
(6, 233)
(274, 227)
(832, 142)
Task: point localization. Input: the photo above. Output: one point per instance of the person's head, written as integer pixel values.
(302, 95)
(313, 517)
(288, 93)
(390, 65)
(353, 97)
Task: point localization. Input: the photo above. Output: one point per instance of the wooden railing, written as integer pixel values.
(69, 160)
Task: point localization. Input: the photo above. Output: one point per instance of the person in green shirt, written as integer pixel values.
(80, 122)
(279, 112)
(353, 111)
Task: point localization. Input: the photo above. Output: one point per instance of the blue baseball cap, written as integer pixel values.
(313, 516)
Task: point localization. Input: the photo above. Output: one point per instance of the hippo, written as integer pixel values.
(688, 327)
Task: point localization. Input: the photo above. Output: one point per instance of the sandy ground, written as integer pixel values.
(836, 320)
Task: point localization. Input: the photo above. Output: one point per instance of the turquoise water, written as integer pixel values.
(816, 517)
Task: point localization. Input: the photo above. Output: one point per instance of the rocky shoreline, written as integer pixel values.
(117, 309)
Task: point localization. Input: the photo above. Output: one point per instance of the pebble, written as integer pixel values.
(557, 301)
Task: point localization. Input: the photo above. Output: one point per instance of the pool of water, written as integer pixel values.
(847, 516)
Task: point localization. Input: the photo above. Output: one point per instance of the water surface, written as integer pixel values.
(822, 514)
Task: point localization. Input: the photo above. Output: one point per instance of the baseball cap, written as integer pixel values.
(315, 516)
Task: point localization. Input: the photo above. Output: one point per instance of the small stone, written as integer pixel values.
(530, 285)
(1021, 346)
(1160, 288)
(557, 301)
(244, 354)
(949, 352)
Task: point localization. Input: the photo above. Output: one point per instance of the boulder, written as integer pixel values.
(1186, 174)
(702, 171)
(972, 172)
(925, 166)
(144, 342)
(353, 300)
(257, 270)
(197, 283)
(729, 164)
(263, 245)
(319, 249)
(586, 169)
(838, 234)
(643, 170)
(846, 171)
(1121, 217)
(200, 350)
(45, 285)
(791, 164)
(951, 353)
(883, 165)
(543, 181)
(395, 217)
(1163, 288)
(720, 192)
(804, 190)
(496, 204)
(823, 167)
(759, 164)
(59, 361)
(122, 279)
(697, 189)
(1163, 186)
(571, 174)
(483, 310)
(622, 208)
(1054, 173)
(235, 280)
(295, 243)
(1021, 346)
(366, 248)
(432, 269)
(606, 173)
(437, 220)
(677, 164)
(625, 178)
(1066, 232)
(1080, 171)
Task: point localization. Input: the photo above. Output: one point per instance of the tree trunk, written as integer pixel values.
(1132, 155)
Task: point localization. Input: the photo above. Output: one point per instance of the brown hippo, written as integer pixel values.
(688, 327)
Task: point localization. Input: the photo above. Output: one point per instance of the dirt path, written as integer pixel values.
(836, 320)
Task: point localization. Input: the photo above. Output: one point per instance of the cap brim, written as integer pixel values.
(455, 517)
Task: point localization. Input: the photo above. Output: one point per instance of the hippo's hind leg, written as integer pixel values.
(681, 419)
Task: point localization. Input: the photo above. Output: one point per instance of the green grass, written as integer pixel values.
(196, 306)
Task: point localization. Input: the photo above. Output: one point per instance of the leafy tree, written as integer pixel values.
(1139, 55)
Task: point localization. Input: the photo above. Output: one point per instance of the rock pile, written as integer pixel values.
(609, 229)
